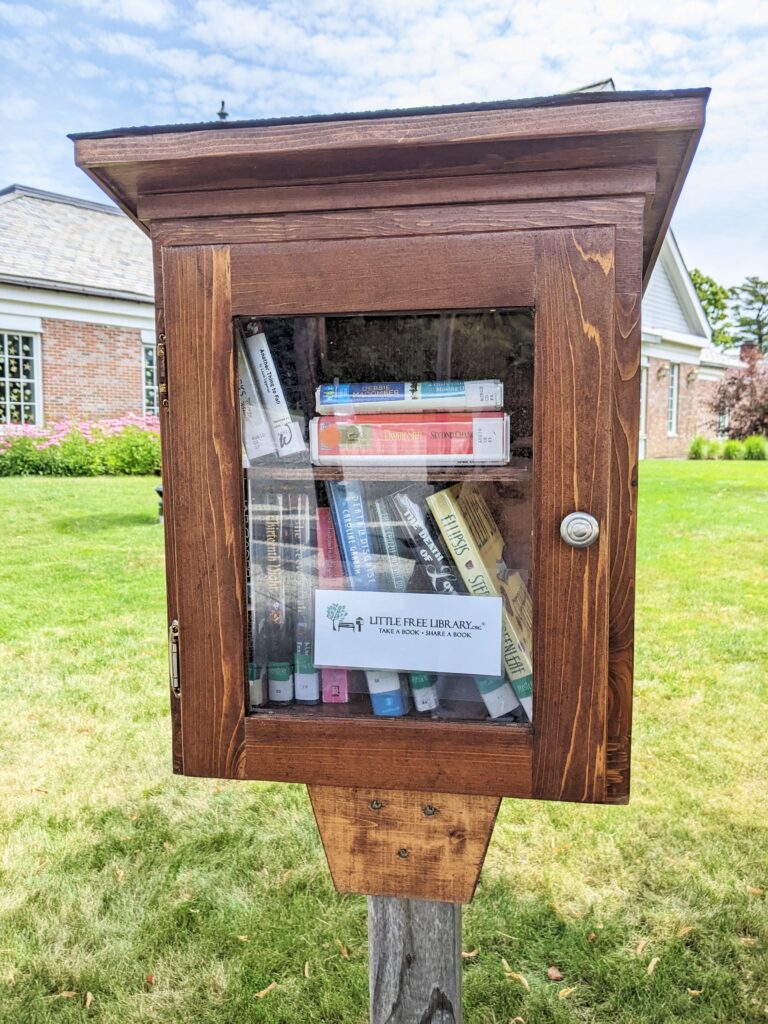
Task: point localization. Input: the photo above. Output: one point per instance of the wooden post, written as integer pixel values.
(415, 961)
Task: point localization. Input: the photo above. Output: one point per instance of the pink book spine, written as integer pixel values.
(331, 572)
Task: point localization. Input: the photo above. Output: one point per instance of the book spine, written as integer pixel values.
(422, 684)
(285, 433)
(425, 543)
(518, 608)
(279, 667)
(256, 660)
(304, 551)
(257, 437)
(466, 555)
(388, 694)
(331, 572)
(403, 440)
(410, 396)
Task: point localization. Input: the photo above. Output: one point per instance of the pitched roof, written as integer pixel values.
(66, 244)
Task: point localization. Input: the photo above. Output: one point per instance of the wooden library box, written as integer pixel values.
(399, 364)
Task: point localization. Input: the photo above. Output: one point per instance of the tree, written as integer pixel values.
(750, 313)
(715, 299)
(742, 398)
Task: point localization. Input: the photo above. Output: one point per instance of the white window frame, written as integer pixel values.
(146, 343)
(37, 374)
(643, 406)
(673, 396)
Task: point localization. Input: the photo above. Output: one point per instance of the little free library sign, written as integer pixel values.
(397, 352)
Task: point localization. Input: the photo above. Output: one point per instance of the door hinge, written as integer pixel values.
(162, 372)
(173, 657)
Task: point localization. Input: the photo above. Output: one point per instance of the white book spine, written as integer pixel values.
(286, 435)
(257, 436)
(410, 396)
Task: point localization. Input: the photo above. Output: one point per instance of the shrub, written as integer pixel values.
(733, 450)
(756, 448)
(698, 448)
(715, 450)
(130, 444)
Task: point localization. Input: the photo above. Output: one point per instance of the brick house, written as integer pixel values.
(77, 328)
(76, 296)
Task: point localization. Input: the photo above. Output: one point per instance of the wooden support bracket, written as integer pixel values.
(424, 846)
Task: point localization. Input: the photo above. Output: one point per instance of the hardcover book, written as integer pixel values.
(388, 694)
(404, 439)
(476, 547)
(410, 396)
(331, 572)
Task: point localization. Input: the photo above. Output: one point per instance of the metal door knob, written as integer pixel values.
(579, 529)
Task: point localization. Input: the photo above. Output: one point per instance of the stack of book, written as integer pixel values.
(435, 423)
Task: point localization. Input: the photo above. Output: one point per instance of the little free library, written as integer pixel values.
(399, 367)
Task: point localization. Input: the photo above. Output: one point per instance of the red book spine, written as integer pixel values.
(331, 572)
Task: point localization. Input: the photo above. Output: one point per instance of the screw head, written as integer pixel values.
(403, 852)
(375, 805)
(429, 810)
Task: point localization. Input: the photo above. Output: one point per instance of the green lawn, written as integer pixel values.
(177, 900)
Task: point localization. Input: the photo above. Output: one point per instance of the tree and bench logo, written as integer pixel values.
(336, 613)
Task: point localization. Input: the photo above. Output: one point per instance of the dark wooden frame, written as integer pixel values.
(559, 208)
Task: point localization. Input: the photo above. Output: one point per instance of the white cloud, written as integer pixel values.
(23, 15)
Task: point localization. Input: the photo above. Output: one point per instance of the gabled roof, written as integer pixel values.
(62, 243)
(671, 307)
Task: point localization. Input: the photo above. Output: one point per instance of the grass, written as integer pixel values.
(177, 900)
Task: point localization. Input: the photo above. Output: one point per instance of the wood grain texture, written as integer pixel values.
(389, 842)
(415, 962)
(383, 274)
(662, 114)
(572, 452)
(203, 431)
(397, 754)
(469, 188)
(623, 529)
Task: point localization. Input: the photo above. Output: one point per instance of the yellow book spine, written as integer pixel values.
(466, 554)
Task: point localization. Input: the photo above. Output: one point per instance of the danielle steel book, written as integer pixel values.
(410, 396)
(410, 439)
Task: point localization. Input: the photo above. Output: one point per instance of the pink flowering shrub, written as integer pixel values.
(129, 444)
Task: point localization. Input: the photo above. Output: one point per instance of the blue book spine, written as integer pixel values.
(347, 503)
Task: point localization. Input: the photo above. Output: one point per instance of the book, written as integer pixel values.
(277, 627)
(396, 572)
(257, 689)
(389, 695)
(477, 549)
(305, 576)
(331, 577)
(256, 434)
(410, 396)
(286, 434)
(424, 540)
(410, 439)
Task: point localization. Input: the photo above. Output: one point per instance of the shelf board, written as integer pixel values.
(359, 707)
(517, 473)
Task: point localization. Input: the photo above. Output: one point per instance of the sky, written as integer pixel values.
(86, 65)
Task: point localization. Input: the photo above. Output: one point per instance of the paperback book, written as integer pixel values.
(257, 436)
(410, 396)
(257, 662)
(286, 434)
(389, 695)
(410, 439)
(278, 633)
(477, 549)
